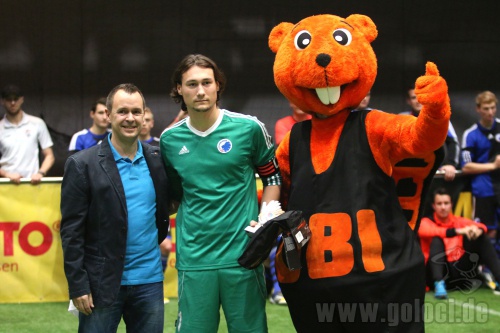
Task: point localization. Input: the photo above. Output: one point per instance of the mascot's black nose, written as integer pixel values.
(323, 59)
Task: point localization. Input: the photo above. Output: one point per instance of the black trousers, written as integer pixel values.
(390, 303)
(463, 272)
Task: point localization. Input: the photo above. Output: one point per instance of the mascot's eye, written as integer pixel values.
(342, 36)
(302, 40)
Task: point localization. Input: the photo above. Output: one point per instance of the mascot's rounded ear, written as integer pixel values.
(278, 34)
(365, 24)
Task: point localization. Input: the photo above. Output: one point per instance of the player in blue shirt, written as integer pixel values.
(481, 159)
(87, 138)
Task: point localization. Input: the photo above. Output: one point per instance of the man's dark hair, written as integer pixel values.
(101, 100)
(200, 61)
(440, 191)
(129, 88)
(11, 91)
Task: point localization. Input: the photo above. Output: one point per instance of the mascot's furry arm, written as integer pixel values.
(395, 137)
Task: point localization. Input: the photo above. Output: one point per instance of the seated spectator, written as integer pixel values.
(20, 136)
(87, 138)
(453, 247)
(149, 123)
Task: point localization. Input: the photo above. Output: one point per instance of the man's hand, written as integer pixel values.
(449, 172)
(496, 162)
(253, 223)
(14, 177)
(472, 232)
(36, 178)
(475, 232)
(84, 304)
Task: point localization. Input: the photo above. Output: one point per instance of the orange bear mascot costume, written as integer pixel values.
(357, 176)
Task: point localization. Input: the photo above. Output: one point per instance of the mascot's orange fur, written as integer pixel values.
(357, 254)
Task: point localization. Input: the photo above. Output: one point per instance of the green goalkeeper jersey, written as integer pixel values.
(212, 174)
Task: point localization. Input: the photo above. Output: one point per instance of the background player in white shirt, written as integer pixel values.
(20, 136)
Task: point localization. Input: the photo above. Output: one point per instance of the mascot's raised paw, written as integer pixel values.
(431, 88)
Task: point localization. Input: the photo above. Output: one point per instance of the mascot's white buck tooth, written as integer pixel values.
(322, 95)
(328, 95)
(333, 94)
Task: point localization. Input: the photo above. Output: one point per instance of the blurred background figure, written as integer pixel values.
(20, 136)
(149, 123)
(284, 125)
(281, 128)
(364, 103)
(481, 160)
(181, 115)
(452, 150)
(87, 138)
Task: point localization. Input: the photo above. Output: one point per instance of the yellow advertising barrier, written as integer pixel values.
(31, 266)
(31, 260)
(170, 275)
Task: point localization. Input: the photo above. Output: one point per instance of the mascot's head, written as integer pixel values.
(325, 64)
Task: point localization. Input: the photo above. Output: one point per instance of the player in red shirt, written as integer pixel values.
(453, 247)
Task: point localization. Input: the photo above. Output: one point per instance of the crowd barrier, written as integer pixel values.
(31, 261)
(31, 264)
(31, 267)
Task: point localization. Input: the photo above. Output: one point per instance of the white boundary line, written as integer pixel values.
(475, 308)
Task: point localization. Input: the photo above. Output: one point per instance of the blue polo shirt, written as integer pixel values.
(143, 258)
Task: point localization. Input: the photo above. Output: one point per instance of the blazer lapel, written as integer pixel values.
(150, 155)
(108, 164)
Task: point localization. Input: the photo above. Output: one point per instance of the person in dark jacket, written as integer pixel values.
(114, 208)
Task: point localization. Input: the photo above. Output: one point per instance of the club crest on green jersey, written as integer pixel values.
(224, 146)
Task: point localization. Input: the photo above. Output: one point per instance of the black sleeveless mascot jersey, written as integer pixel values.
(362, 247)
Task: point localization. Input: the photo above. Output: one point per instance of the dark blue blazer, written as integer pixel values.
(94, 219)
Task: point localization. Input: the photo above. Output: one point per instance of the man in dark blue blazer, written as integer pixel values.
(114, 208)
